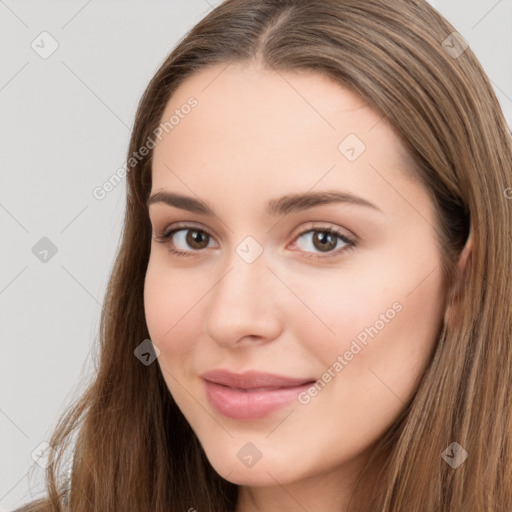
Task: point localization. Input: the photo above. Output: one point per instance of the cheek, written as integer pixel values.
(388, 318)
(173, 325)
(171, 309)
(384, 334)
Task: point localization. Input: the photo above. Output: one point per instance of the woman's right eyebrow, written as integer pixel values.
(275, 207)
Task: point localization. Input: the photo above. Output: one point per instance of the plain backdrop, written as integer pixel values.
(65, 124)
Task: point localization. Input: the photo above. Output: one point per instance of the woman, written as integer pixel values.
(311, 305)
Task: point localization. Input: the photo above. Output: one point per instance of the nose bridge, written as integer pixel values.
(241, 302)
(245, 276)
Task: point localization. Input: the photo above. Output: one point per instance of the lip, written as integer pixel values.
(252, 394)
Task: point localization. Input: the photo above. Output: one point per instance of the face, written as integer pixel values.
(342, 292)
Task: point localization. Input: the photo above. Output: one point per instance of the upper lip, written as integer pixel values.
(252, 379)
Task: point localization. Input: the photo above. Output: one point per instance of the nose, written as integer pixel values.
(244, 304)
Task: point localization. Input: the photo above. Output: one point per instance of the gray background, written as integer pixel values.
(65, 124)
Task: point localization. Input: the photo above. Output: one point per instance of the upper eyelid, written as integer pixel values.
(186, 225)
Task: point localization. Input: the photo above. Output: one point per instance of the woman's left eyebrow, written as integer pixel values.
(299, 202)
(275, 207)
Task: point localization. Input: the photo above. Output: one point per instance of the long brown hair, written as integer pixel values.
(134, 450)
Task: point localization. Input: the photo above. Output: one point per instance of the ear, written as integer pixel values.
(464, 256)
(453, 307)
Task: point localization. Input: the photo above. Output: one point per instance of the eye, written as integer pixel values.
(195, 238)
(324, 239)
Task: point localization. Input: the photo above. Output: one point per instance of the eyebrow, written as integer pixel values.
(280, 206)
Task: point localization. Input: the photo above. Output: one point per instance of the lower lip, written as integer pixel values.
(250, 405)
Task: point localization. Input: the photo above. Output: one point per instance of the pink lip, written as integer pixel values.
(251, 395)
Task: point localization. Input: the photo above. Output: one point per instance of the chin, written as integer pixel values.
(255, 477)
(261, 473)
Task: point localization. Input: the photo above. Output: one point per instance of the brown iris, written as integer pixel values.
(324, 240)
(195, 236)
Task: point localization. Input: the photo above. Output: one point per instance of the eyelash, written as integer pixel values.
(164, 237)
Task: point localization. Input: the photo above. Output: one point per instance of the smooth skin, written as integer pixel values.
(256, 135)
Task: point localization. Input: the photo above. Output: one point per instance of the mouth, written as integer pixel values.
(252, 395)
(268, 388)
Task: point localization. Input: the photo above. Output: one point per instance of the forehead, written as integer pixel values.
(260, 128)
